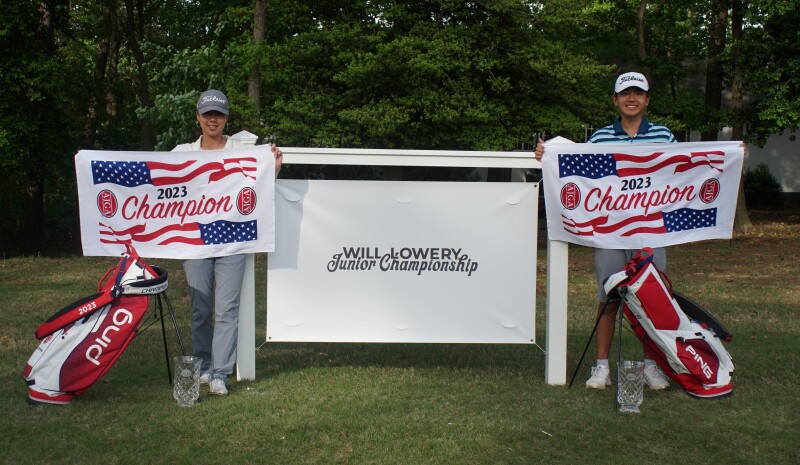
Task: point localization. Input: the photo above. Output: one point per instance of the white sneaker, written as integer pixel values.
(600, 378)
(217, 387)
(204, 378)
(655, 378)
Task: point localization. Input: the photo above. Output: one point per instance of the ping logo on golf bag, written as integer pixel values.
(697, 358)
(120, 318)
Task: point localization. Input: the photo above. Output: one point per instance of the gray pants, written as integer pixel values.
(215, 284)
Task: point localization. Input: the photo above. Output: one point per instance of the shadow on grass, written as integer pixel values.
(277, 357)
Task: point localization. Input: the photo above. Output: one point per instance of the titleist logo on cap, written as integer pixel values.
(212, 98)
(631, 80)
(625, 79)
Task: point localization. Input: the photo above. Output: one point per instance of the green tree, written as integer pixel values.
(771, 68)
(446, 74)
(439, 74)
(39, 125)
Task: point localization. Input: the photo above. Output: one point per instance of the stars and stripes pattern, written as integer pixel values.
(683, 219)
(217, 232)
(600, 165)
(138, 173)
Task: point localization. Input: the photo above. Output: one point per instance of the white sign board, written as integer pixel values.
(363, 261)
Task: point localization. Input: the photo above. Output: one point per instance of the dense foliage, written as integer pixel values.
(440, 74)
(761, 188)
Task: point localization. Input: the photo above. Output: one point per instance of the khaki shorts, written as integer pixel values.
(610, 261)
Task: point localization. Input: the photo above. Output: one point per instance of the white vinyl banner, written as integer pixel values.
(177, 204)
(629, 196)
(364, 261)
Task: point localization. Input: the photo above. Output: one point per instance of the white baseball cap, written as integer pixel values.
(627, 80)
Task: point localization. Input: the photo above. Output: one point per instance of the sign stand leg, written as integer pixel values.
(556, 325)
(246, 346)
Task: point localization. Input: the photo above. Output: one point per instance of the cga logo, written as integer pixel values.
(246, 201)
(709, 191)
(570, 196)
(121, 317)
(107, 203)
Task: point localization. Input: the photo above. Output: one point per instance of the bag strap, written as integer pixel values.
(105, 276)
(639, 261)
(666, 280)
(156, 285)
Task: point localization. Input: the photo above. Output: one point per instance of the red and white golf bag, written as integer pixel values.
(683, 339)
(84, 339)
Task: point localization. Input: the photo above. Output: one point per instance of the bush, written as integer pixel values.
(761, 188)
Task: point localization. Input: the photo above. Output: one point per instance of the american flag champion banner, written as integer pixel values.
(177, 204)
(629, 196)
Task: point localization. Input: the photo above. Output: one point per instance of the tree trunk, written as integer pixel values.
(254, 82)
(714, 71)
(133, 36)
(33, 217)
(640, 30)
(34, 212)
(107, 50)
(100, 62)
(112, 76)
(741, 222)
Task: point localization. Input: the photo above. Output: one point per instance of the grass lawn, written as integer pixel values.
(426, 403)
